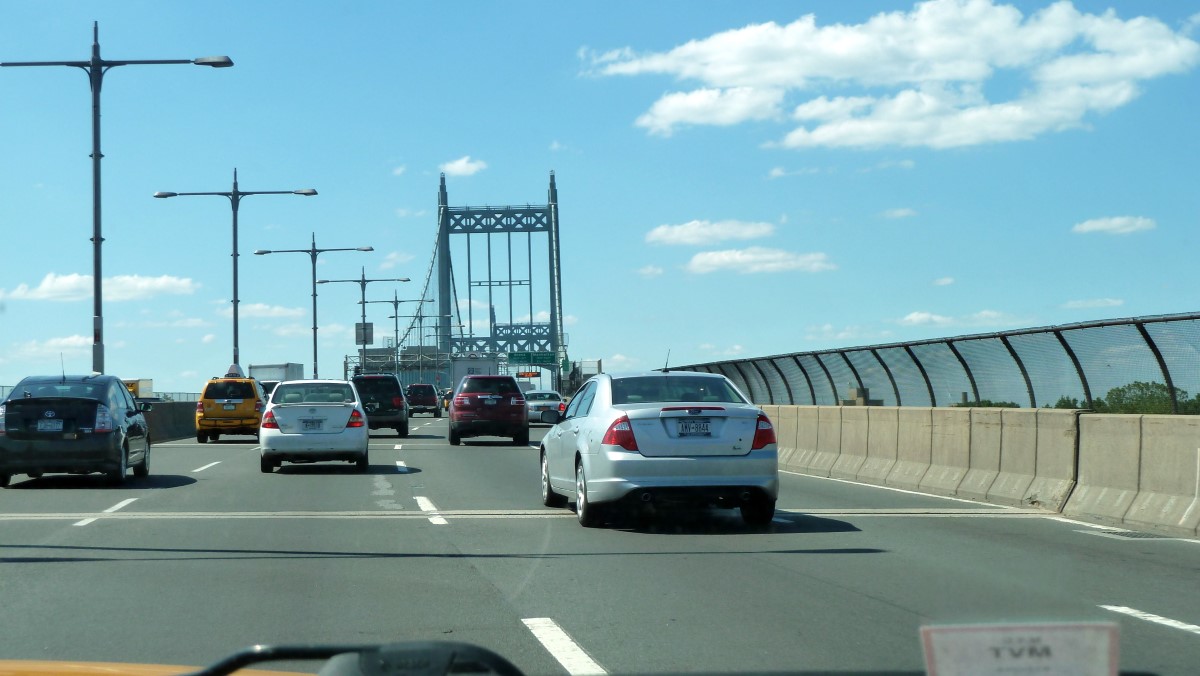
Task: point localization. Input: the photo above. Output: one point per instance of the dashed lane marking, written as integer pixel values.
(430, 510)
(201, 469)
(1157, 619)
(110, 510)
(562, 647)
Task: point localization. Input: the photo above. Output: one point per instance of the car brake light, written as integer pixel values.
(2, 432)
(104, 421)
(199, 407)
(461, 402)
(356, 419)
(258, 406)
(516, 401)
(397, 402)
(620, 433)
(764, 433)
(269, 421)
(562, 406)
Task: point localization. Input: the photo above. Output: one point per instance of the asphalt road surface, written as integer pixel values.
(208, 555)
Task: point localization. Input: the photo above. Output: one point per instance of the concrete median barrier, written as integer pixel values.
(852, 452)
(829, 440)
(950, 451)
(1109, 464)
(1018, 456)
(984, 462)
(1168, 478)
(883, 429)
(1054, 465)
(171, 420)
(914, 448)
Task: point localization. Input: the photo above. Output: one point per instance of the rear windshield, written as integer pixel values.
(61, 389)
(370, 387)
(229, 389)
(673, 389)
(542, 396)
(490, 386)
(421, 390)
(324, 393)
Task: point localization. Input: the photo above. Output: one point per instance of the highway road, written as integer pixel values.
(209, 555)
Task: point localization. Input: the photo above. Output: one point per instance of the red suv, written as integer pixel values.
(422, 398)
(488, 406)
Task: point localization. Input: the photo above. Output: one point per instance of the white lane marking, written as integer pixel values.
(110, 510)
(1157, 619)
(894, 489)
(401, 467)
(396, 512)
(398, 447)
(562, 647)
(426, 505)
(201, 469)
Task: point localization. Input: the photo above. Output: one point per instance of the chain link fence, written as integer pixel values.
(1135, 365)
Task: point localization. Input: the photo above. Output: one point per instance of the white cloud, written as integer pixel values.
(758, 259)
(463, 166)
(410, 213)
(943, 281)
(73, 287)
(1092, 303)
(650, 271)
(828, 333)
(707, 232)
(620, 362)
(293, 330)
(902, 212)
(264, 310)
(983, 318)
(780, 172)
(913, 78)
(208, 338)
(395, 258)
(399, 171)
(925, 318)
(67, 346)
(1116, 225)
(720, 107)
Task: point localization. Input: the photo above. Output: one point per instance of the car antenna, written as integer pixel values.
(62, 365)
(667, 363)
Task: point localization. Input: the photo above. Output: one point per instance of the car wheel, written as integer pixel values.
(142, 469)
(4, 479)
(589, 515)
(455, 439)
(363, 463)
(402, 430)
(201, 437)
(549, 497)
(214, 436)
(266, 466)
(758, 512)
(437, 412)
(521, 438)
(116, 476)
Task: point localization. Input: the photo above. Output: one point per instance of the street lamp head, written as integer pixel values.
(260, 252)
(322, 281)
(161, 195)
(214, 61)
(365, 248)
(307, 192)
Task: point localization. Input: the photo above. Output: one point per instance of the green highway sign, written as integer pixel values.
(531, 357)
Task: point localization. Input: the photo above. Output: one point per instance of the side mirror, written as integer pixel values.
(551, 417)
(145, 406)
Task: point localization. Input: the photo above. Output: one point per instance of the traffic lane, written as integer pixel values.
(849, 595)
(189, 592)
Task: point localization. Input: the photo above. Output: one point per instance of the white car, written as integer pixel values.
(670, 437)
(314, 420)
(543, 400)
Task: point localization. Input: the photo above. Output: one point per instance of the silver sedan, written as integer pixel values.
(543, 400)
(674, 437)
(314, 420)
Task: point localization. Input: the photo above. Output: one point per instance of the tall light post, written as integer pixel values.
(438, 334)
(235, 199)
(362, 283)
(396, 328)
(95, 68)
(420, 317)
(312, 252)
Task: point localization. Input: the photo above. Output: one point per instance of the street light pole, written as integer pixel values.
(362, 283)
(396, 324)
(95, 68)
(235, 199)
(312, 252)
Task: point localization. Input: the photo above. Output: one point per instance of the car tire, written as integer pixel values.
(437, 412)
(363, 464)
(758, 512)
(4, 479)
(549, 497)
(589, 515)
(266, 466)
(214, 436)
(455, 439)
(142, 469)
(201, 438)
(116, 476)
(402, 430)
(521, 438)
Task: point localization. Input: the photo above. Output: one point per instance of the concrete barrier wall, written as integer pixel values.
(1139, 471)
(171, 420)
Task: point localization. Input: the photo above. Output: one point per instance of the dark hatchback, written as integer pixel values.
(73, 424)
(488, 406)
(383, 399)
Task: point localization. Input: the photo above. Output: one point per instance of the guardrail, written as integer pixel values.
(1134, 365)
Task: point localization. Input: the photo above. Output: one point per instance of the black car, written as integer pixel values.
(383, 398)
(73, 424)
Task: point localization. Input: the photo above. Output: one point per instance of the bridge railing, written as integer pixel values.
(1133, 365)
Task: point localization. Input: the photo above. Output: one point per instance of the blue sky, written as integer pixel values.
(735, 179)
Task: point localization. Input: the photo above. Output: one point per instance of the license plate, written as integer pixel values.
(50, 425)
(694, 428)
(490, 402)
(309, 424)
(230, 407)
